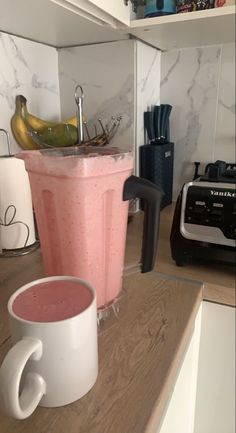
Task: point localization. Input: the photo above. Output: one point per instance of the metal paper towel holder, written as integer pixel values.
(8, 143)
(26, 249)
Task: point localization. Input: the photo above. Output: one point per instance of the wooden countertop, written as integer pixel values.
(218, 280)
(140, 355)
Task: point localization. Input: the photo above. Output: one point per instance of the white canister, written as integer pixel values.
(55, 363)
(17, 228)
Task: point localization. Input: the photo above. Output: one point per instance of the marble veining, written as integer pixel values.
(122, 104)
(193, 120)
(145, 80)
(119, 78)
(14, 55)
(30, 69)
(148, 88)
(68, 76)
(106, 73)
(225, 120)
(194, 81)
(171, 68)
(38, 84)
(16, 52)
(229, 107)
(6, 89)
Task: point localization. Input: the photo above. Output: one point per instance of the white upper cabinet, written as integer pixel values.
(63, 23)
(59, 23)
(192, 29)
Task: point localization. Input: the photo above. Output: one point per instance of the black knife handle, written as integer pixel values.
(148, 125)
(157, 120)
(168, 130)
(151, 194)
(165, 114)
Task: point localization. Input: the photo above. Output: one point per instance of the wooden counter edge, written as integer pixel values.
(219, 294)
(161, 405)
(212, 292)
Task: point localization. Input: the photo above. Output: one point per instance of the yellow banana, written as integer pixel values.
(36, 123)
(33, 122)
(72, 121)
(23, 122)
(21, 133)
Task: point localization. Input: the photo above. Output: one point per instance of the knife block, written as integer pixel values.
(156, 165)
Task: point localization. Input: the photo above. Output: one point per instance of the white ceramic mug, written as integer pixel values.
(52, 363)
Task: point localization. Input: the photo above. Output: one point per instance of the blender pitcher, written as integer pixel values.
(80, 196)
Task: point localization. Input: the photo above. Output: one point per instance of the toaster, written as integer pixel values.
(204, 223)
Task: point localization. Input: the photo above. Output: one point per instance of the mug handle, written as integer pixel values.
(137, 187)
(16, 404)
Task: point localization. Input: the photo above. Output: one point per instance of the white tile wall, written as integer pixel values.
(30, 69)
(199, 83)
(118, 78)
(225, 120)
(148, 67)
(106, 73)
(123, 78)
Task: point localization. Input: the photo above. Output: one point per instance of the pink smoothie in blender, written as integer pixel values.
(81, 213)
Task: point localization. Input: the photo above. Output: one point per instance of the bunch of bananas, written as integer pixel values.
(24, 123)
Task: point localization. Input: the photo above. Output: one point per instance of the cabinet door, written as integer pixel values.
(179, 417)
(215, 403)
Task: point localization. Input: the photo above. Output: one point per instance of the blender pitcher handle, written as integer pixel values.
(151, 194)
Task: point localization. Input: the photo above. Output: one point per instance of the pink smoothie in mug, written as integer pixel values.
(81, 216)
(52, 301)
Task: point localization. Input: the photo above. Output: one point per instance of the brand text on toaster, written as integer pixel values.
(223, 194)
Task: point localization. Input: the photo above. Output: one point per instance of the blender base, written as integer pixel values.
(109, 314)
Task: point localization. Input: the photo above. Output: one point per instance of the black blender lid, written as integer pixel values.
(220, 171)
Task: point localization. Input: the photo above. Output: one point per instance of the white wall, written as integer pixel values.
(123, 77)
(106, 73)
(200, 84)
(30, 69)
(118, 78)
(148, 73)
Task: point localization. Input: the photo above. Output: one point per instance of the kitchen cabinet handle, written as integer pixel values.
(151, 194)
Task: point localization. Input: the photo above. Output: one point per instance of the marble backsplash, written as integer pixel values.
(106, 74)
(119, 79)
(123, 78)
(30, 69)
(148, 77)
(200, 84)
